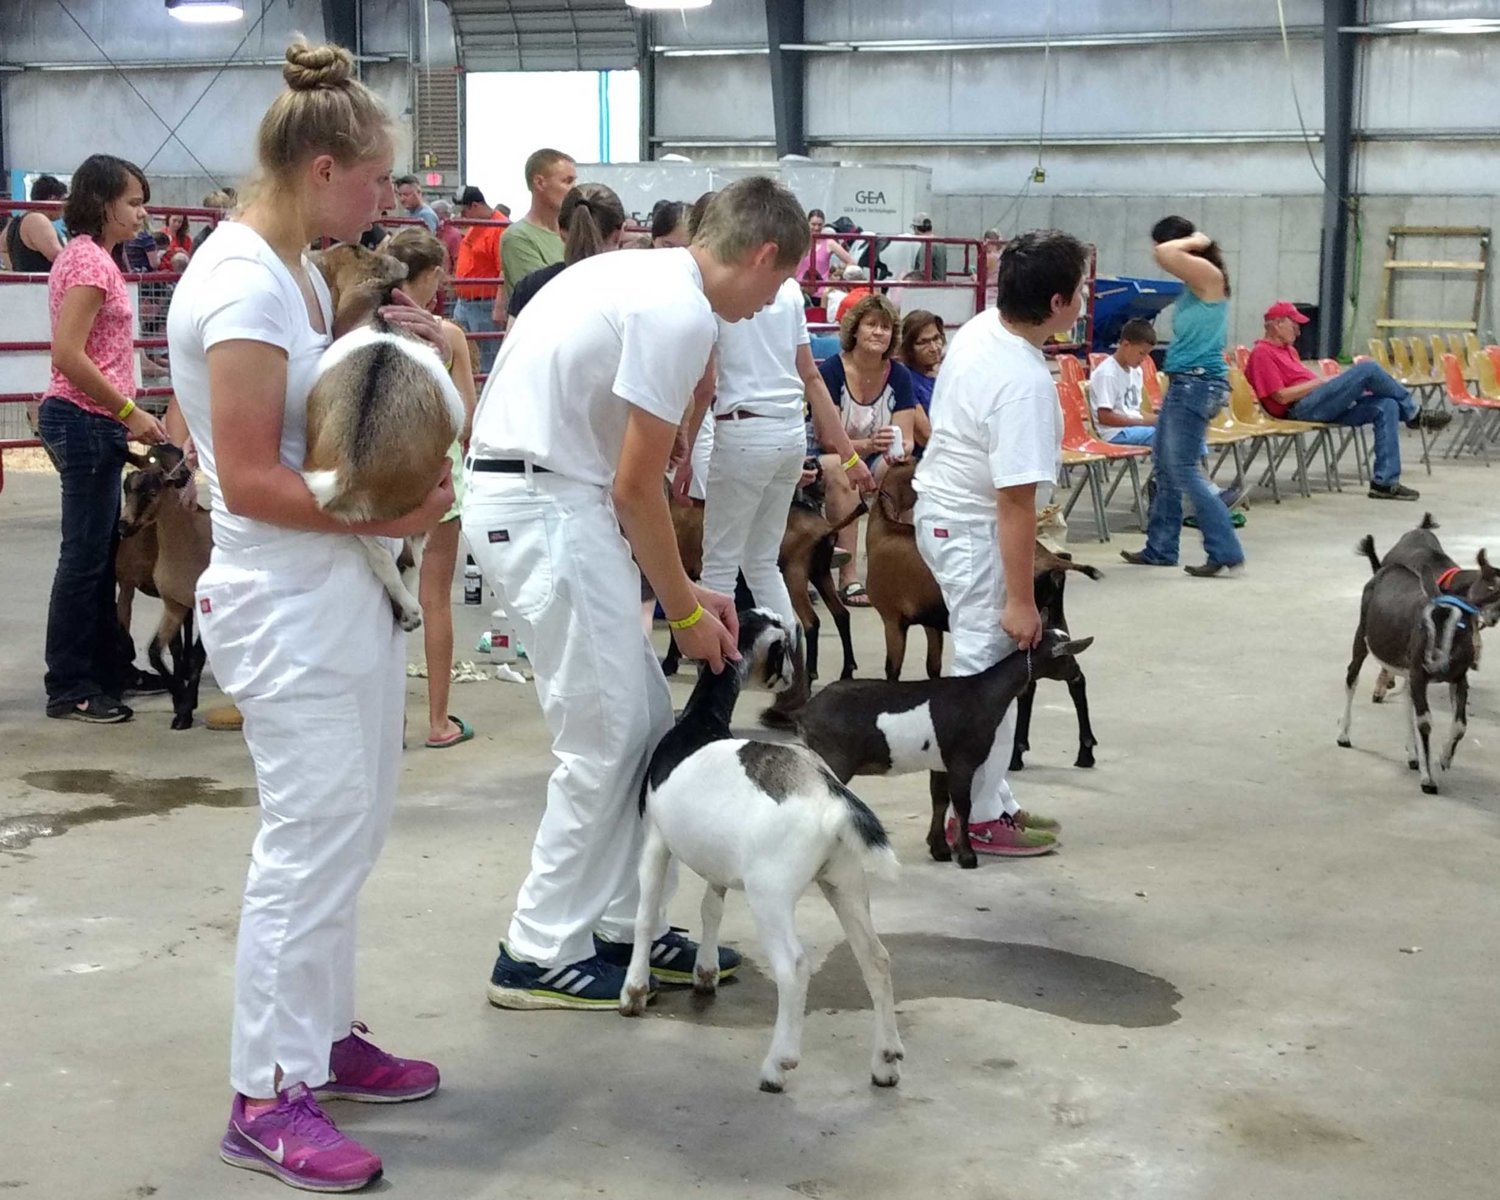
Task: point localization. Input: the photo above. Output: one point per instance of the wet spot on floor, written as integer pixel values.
(1274, 1129)
(129, 796)
(1076, 987)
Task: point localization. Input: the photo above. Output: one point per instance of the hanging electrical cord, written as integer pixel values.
(1286, 47)
(171, 134)
(1038, 173)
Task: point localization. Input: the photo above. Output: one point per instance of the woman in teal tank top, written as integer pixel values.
(1199, 389)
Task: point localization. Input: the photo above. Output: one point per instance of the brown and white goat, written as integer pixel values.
(903, 591)
(380, 416)
(178, 539)
(1420, 617)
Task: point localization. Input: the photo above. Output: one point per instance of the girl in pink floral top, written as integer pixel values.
(87, 417)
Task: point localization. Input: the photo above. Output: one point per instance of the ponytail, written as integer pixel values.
(591, 214)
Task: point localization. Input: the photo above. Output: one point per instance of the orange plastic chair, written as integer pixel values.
(1082, 447)
(1480, 413)
(1070, 369)
(1095, 360)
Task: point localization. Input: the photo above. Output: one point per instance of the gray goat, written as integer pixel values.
(1420, 617)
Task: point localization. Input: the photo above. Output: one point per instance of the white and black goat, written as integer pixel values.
(943, 726)
(381, 414)
(1420, 616)
(768, 819)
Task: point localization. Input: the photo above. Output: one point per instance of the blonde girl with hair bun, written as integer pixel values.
(298, 631)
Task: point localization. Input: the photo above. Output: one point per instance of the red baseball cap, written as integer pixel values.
(1285, 308)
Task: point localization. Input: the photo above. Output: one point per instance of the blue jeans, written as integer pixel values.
(1364, 395)
(1140, 435)
(474, 316)
(1176, 451)
(87, 652)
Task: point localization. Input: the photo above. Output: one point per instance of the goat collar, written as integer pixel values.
(1457, 602)
(1446, 578)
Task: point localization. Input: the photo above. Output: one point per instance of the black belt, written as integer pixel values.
(506, 466)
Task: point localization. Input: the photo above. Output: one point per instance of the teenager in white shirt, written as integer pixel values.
(564, 484)
(996, 439)
(298, 630)
(764, 368)
(1116, 385)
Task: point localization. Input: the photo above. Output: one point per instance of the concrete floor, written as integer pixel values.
(1261, 967)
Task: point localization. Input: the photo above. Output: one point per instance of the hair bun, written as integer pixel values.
(310, 67)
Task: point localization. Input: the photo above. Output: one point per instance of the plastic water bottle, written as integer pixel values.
(504, 648)
(897, 450)
(473, 581)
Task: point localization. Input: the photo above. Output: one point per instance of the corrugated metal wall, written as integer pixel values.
(1131, 130)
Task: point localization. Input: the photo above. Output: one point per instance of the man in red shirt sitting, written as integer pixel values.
(1362, 395)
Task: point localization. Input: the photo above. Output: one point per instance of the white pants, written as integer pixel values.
(303, 640)
(964, 557)
(751, 477)
(553, 549)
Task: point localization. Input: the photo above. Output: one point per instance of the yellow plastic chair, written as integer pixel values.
(1459, 351)
(1404, 369)
(1247, 411)
(1381, 355)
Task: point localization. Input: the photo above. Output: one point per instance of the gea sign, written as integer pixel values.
(869, 197)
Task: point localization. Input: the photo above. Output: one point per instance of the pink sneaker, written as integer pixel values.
(297, 1143)
(361, 1070)
(1004, 839)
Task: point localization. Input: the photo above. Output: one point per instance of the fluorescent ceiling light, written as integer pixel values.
(207, 12)
(668, 4)
(1444, 25)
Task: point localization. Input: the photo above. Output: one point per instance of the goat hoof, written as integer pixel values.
(1411, 764)
(940, 854)
(1016, 764)
(1430, 789)
(1346, 743)
(705, 982)
(968, 861)
(668, 668)
(410, 620)
(633, 1001)
(774, 1086)
(1085, 760)
(888, 1079)
(183, 721)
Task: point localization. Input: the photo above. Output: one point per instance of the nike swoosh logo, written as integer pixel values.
(275, 1155)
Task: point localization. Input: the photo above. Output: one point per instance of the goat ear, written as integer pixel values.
(139, 461)
(1075, 646)
(889, 506)
(1484, 565)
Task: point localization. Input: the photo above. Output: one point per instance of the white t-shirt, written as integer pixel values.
(236, 289)
(611, 331)
(996, 422)
(758, 359)
(1114, 387)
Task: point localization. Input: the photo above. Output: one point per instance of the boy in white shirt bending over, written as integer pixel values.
(1115, 388)
(996, 436)
(564, 483)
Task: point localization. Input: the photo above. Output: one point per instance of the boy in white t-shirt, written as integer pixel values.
(997, 438)
(1116, 384)
(563, 486)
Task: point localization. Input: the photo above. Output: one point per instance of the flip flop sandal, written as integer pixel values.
(854, 596)
(465, 732)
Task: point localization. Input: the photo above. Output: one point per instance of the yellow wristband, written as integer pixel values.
(688, 621)
(853, 458)
(124, 413)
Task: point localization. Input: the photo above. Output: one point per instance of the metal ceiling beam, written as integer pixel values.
(1057, 42)
(1338, 150)
(784, 19)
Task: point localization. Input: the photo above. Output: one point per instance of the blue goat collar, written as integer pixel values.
(1457, 602)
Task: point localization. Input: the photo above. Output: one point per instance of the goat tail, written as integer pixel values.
(1428, 522)
(1366, 546)
(854, 825)
(778, 718)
